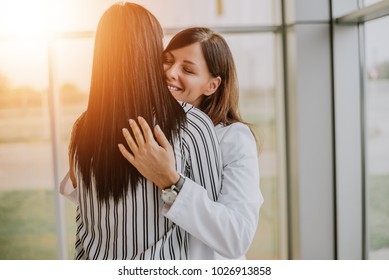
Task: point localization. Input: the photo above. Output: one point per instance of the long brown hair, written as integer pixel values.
(222, 105)
(127, 81)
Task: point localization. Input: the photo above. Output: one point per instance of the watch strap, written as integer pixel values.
(180, 183)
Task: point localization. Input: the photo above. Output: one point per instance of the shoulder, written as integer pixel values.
(236, 141)
(236, 132)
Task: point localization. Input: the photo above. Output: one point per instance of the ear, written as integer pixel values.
(213, 85)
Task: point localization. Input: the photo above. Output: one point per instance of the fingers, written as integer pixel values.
(147, 133)
(161, 138)
(130, 141)
(137, 133)
(126, 153)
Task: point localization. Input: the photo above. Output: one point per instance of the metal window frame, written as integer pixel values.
(349, 32)
(371, 12)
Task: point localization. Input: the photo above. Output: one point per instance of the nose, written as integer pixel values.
(171, 71)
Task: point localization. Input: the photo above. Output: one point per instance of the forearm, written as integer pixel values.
(226, 224)
(226, 228)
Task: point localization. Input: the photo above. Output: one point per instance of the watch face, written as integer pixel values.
(168, 196)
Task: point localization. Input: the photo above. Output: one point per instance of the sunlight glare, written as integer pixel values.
(25, 18)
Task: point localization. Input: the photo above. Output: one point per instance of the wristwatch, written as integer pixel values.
(169, 195)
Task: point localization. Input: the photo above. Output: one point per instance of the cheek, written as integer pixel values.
(194, 85)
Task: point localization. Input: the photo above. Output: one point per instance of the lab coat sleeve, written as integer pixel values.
(227, 225)
(67, 190)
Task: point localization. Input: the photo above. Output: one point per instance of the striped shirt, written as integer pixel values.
(135, 228)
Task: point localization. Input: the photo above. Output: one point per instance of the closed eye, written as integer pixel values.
(168, 61)
(188, 71)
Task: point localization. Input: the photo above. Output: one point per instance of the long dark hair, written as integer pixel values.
(222, 105)
(127, 81)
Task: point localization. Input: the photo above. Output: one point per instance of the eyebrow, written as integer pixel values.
(190, 62)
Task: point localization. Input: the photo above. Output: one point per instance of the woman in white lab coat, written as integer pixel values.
(200, 70)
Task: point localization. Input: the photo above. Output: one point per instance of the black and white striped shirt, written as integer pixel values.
(135, 228)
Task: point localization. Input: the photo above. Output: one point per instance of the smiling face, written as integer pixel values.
(187, 74)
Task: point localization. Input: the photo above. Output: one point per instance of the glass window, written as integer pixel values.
(255, 58)
(377, 138)
(214, 13)
(370, 2)
(26, 174)
(26, 166)
(83, 15)
(72, 84)
(76, 15)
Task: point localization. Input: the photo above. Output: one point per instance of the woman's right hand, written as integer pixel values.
(153, 158)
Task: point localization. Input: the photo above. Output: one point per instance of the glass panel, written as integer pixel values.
(26, 171)
(25, 145)
(377, 138)
(214, 13)
(83, 15)
(72, 83)
(370, 2)
(255, 58)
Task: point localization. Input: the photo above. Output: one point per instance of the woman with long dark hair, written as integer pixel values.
(119, 213)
